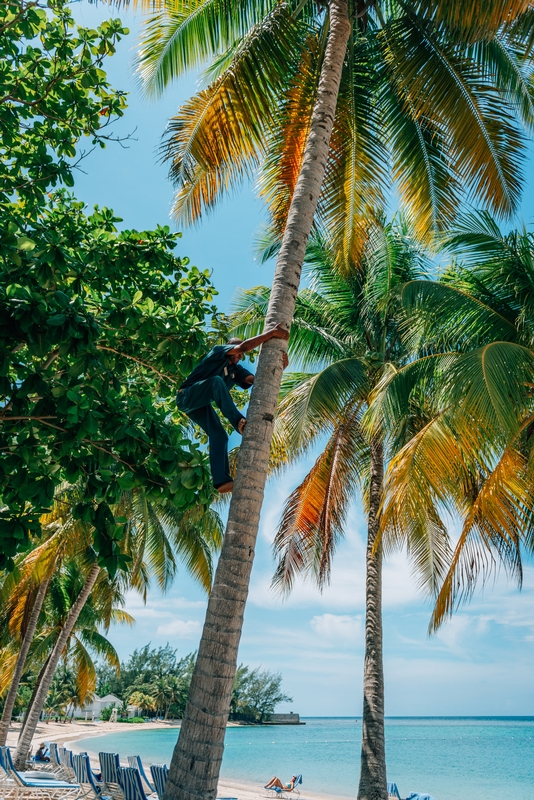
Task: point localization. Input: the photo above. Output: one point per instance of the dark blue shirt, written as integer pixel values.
(217, 363)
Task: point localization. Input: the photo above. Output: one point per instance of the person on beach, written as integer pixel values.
(276, 783)
(41, 753)
(211, 381)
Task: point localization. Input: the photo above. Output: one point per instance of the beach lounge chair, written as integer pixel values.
(131, 783)
(55, 762)
(393, 791)
(109, 764)
(135, 761)
(159, 774)
(36, 788)
(283, 793)
(35, 774)
(91, 788)
(65, 757)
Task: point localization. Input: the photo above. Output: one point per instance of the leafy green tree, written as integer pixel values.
(345, 338)
(153, 671)
(96, 326)
(96, 329)
(54, 93)
(255, 694)
(336, 101)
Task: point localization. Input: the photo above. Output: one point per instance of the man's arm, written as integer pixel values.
(249, 380)
(250, 344)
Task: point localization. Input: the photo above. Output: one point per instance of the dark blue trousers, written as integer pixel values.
(195, 401)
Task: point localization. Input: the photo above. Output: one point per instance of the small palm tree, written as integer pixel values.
(345, 337)
(143, 701)
(154, 534)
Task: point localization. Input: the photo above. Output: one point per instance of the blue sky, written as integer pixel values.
(480, 663)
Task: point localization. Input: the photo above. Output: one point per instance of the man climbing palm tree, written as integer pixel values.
(211, 381)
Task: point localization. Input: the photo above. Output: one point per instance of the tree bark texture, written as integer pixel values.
(21, 661)
(373, 757)
(197, 757)
(34, 711)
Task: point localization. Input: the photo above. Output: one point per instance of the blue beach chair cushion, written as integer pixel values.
(109, 764)
(23, 779)
(393, 790)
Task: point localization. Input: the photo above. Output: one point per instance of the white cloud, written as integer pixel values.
(186, 629)
(341, 628)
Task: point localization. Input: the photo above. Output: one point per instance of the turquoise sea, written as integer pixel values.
(451, 758)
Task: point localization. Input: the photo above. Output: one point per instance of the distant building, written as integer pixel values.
(285, 719)
(93, 709)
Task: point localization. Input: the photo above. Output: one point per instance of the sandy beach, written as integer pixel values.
(69, 733)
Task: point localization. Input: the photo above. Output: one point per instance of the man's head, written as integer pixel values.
(236, 356)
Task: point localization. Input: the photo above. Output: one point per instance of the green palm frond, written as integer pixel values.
(312, 404)
(357, 170)
(196, 536)
(508, 68)
(440, 315)
(447, 88)
(420, 164)
(483, 390)
(182, 35)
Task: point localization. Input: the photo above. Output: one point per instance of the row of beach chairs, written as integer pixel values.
(70, 776)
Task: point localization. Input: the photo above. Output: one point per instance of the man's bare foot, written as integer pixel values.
(241, 425)
(225, 487)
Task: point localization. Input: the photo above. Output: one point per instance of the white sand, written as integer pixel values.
(69, 733)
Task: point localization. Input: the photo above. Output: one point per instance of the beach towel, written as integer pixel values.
(417, 796)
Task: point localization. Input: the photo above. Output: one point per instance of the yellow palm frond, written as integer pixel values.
(492, 527)
(287, 139)
(472, 19)
(218, 135)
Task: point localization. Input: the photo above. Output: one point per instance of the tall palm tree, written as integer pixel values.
(435, 84)
(345, 337)
(474, 331)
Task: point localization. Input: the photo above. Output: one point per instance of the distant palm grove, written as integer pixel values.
(411, 340)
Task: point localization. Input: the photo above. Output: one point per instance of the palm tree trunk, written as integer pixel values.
(373, 760)
(197, 756)
(34, 712)
(32, 698)
(21, 661)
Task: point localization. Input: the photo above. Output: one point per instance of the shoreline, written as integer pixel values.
(227, 789)
(69, 734)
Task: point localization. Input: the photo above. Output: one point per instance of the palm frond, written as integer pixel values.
(490, 536)
(218, 135)
(314, 514)
(448, 90)
(182, 34)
